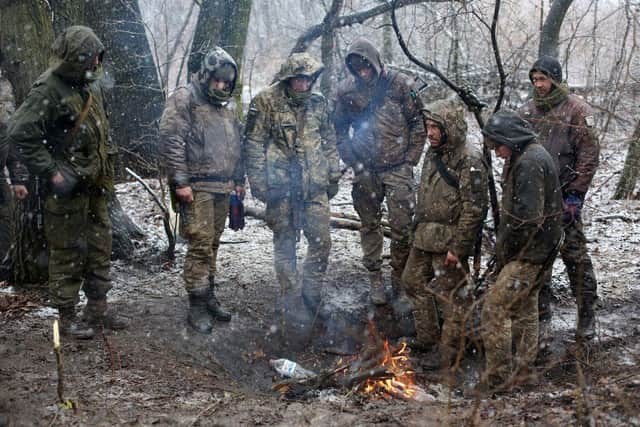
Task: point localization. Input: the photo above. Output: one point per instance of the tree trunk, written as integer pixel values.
(227, 30)
(136, 100)
(26, 35)
(551, 29)
(67, 13)
(629, 178)
(327, 49)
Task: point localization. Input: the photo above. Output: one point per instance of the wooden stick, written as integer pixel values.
(58, 351)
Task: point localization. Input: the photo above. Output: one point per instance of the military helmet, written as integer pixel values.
(299, 64)
(213, 63)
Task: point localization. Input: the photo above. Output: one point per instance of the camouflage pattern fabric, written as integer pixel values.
(291, 158)
(203, 223)
(77, 225)
(510, 318)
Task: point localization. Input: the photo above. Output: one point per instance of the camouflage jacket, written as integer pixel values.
(394, 134)
(566, 131)
(282, 138)
(201, 142)
(41, 125)
(449, 218)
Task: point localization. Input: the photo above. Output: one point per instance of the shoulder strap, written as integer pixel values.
(448, 177)
(81, 118)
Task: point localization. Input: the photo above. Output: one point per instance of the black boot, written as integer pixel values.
(198, 316)
(214, 307)
(73, 327)
(97, 315)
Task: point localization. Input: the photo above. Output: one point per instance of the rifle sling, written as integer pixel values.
(448, 177)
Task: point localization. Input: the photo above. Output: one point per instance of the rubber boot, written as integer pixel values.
(97, 315)
(73, 327)
(214, 307)
(198, 316)
(377, 294)
(586, 322)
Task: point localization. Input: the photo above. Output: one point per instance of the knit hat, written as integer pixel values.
(549, 66)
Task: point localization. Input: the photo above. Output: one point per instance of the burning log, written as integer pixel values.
(381, 370)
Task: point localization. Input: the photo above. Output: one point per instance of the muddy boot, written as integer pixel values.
(97, 315)
(586, 323)
(73, 327)
(377, 294)
(214, 307)
(198, 316)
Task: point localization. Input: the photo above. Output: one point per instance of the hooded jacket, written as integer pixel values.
(201, 137)
(530, 215)
(41, 125)
(283, 136)
(390, 136)
(448, 218)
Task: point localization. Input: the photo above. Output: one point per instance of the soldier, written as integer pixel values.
(452, 204)
(382, 109)
(526, 245)
(564, 124)
(293, 166)
(200, 135)
(61, 132)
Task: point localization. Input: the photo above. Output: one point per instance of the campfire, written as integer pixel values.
(380, 370)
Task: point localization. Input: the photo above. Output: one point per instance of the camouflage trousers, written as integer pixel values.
(434, 288)
(510, 317)
(203, 223)
(315, 226)
(78, 232)
(582, 278)
(369, 191)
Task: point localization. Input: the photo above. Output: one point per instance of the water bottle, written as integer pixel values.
(236, 213)
(289, 368)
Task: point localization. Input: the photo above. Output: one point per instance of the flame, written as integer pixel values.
(396, 362)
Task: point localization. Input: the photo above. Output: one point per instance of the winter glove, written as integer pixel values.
(332, 189)
(572, 208)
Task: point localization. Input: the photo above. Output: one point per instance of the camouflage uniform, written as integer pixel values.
(202, 149)
(564, 124)
(77, 225)
(292, 163)
(385, 145)
(526, 243)
(448, 219)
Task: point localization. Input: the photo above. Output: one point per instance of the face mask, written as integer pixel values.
(297, 98)
(218, 95)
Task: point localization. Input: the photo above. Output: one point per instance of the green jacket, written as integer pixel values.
(448, 218)
(40, 128)
(530, 215)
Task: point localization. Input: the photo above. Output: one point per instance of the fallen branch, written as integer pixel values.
(337, 220)
(166, 215)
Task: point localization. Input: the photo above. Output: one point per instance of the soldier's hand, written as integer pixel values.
(451, 260)
(240, 191)
(20, 191)
(184, 195)
(57, 179)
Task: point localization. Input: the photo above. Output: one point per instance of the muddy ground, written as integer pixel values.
(159, 372)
